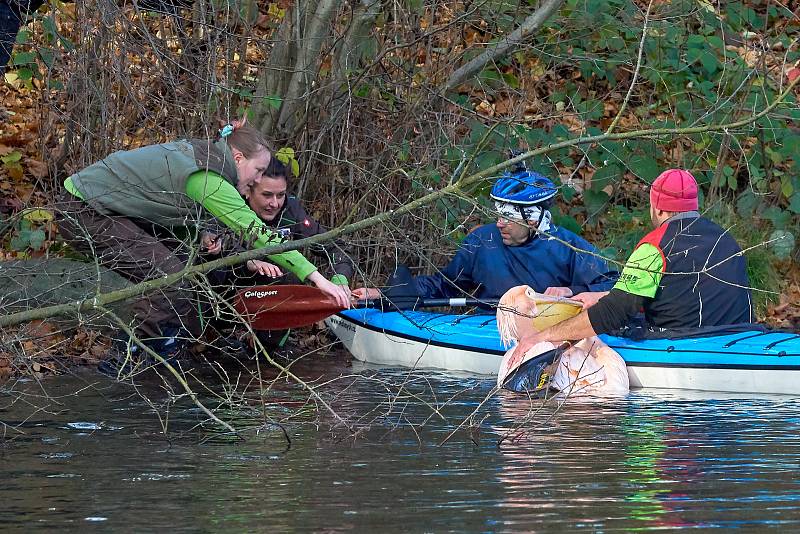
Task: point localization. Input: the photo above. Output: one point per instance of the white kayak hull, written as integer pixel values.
(744, 362)
(385, 349)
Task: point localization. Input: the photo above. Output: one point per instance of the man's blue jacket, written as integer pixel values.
(486, 268)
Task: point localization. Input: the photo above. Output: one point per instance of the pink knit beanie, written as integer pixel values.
(674, 190)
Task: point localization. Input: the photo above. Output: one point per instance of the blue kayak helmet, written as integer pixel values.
(525, 188)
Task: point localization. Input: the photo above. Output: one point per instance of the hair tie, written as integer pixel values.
(226, 130)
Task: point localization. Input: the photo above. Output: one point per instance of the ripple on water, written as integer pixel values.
(155, 477)
(80, 425)
(57, 455)
(651, 461)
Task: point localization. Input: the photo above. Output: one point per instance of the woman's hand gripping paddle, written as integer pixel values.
(292, 306)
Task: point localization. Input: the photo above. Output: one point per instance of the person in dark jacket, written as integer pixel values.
(13, 13)
(687, 273)
(524, 247)
(285, 215)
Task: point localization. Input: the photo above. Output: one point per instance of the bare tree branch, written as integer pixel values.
(461, 186)
(504, 46)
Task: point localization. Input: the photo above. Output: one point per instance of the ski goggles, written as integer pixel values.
(517, 212)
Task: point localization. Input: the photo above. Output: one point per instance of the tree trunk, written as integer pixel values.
(307, 28)
(503, 47)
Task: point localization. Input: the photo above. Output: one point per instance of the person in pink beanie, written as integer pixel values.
(674, 191)
(687, 274)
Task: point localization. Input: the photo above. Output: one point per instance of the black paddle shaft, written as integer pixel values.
(413, 303)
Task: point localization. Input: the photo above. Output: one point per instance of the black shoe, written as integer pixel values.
(266, 339)
(127, 357)
(287, 353)
(123, 366)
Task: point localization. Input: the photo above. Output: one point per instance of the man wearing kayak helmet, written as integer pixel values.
(523, 247)
(522, 201)
(687, 273)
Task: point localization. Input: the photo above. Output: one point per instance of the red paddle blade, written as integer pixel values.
(281, 307)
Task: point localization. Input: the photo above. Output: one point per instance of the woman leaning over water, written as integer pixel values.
(136, 209)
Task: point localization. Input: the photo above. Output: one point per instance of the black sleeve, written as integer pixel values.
(614, 311)
(334, 253)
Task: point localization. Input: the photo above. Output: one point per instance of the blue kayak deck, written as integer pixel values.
(476, 332)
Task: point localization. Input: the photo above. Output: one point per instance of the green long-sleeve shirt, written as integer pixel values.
(222, 200)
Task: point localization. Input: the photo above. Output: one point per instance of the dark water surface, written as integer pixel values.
(81, 452)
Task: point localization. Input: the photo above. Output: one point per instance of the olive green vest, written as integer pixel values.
(150, 182)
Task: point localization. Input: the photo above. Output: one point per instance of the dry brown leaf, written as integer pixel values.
(503, 106)
(37, 168)
(15, 172)
(40, 328)
(485, 108)
(98, 351)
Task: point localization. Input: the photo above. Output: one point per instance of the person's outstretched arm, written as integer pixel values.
(222, 200)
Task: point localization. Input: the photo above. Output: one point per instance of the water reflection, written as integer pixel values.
(399, 456)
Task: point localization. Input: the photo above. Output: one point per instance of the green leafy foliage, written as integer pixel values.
(12, 163)
(690, 75)
(29, 233)
(286, 156)
(782, 244)
(37, 60)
